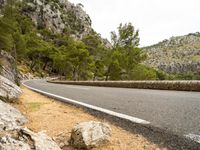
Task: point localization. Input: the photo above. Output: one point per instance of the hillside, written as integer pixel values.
(57, 16)
(51, 37)
(177, 55)
(55, 38)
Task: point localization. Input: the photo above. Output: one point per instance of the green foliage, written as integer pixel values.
(59, 54)
(141, 72)
(126, 54)
(5, 35)
(187, 76)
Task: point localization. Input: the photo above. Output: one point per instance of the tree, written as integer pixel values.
(98, 69)
(81, 61)
(141, 72)
(126, 42)
(5, 35)
(98, 51)
(114, 61)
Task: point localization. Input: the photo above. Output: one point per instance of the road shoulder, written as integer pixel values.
(58, 118)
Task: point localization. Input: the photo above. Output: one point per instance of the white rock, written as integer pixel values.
(41, 140)
(90, 134)
(8, 70)
(9, 90)
(10, 118)
(8, 143)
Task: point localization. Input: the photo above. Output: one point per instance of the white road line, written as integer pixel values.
(76, 87)
(106, 111)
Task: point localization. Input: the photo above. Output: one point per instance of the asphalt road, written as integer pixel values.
(176, 111)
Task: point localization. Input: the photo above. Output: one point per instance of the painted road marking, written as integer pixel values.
(76, 87)
(106, 111)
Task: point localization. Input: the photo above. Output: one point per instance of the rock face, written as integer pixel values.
(41, 140)
(59, 16)
(176, 55)
(9, 143)
(10, 118)
(14, 137)
(7, 69)
(8, 90)
(24, 139)
(90, 134)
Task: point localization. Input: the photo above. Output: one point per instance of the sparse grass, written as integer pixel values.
(33, 106)
(58, 119)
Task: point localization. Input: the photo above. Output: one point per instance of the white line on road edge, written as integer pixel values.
(106, 111)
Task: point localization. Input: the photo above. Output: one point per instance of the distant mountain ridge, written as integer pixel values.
(177, 55)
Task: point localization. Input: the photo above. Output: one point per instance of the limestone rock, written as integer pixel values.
(24, 139)
(8, 70)
(90, 134)
(10, 118)
(9, 143)
(177, 55)
(41, 140)
(8, 90)
(27, 76)
(59, 15)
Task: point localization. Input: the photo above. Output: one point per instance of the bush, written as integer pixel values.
(141, 72)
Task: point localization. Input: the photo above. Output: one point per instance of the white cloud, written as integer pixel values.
(156, 19)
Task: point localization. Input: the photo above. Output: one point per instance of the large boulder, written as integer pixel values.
(9, 143)
(41, 140)
(91, 134)
(8, 90)
(25, 139)
(10, 118)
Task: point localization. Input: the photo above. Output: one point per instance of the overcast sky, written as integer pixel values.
(156, 19)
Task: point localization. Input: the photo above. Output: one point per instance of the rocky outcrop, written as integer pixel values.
(90, 134)
(59, 16)
(8, 69)
(176, 55)
(10, 118)
(8, 90)
(41, 140)
(9, 143)
(27, 76)
(25, 139)
(14, 137)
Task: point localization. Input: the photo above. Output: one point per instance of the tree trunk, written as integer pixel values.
(45, 65)
(107, 73)
(74, 77)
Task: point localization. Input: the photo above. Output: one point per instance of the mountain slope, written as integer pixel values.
(50, 37)
(177, 55)
(57, 16)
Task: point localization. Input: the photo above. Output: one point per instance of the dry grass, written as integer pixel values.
(58, 119)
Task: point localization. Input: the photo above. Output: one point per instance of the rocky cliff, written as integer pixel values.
(58, 16)
(7, 67)
(176, 55)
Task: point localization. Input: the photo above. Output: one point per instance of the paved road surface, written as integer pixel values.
(176, 111)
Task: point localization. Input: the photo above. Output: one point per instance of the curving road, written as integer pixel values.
(176, 111)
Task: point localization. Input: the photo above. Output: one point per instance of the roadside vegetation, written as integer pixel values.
(47, 53)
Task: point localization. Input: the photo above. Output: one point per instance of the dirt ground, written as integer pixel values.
(58, 119)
